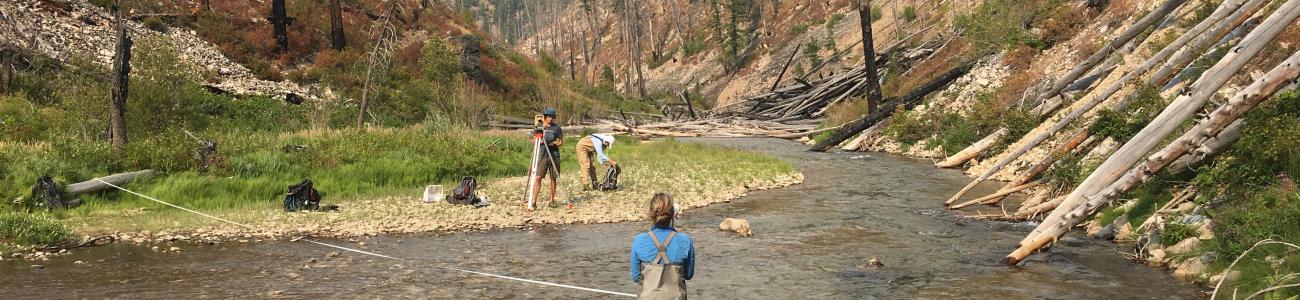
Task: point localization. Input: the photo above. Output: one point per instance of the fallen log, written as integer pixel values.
(973, 150)
(94, 185)
(1078, 204)
(1211, 126)
(1114, 44)
(1211, 147)
(1114, 87)
(888, 107)
(995, 197)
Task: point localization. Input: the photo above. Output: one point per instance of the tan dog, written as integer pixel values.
(739, 226)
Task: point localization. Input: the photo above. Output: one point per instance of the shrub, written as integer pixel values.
(695, 44)
(798, 28)
(31, 230)
(1175, 232)
(999, 24)
(909, 13)
(810, 52)
(156, 24)
(1121, 126)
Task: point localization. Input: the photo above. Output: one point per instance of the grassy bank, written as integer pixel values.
(381, 192)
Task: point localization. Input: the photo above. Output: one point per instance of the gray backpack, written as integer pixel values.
(659, 278)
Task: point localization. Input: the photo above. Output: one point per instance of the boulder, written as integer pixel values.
(1157, 258)
(1189, 270)
(1231, 276)
(739, 226)
(1192, 219)
(1185, 246)
(1209, 257)
(1205, 231)
(1105, 233)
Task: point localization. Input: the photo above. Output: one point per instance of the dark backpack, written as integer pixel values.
(302, 196)
(611, 178)
(463, 194)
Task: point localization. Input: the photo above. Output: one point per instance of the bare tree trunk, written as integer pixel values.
(337, 39)
(868, 55)
(384, 34)
(1193, 49)
(7, 72)
(121, 82)
(1209, 127)
(1160, 56)
(1101, 54)
(1211, 147)
(636, 41)
(1081, 202)
(207, 5)
(972, 151)
(784, 67)
(280, 26)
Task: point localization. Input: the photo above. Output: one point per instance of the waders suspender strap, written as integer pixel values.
(662, 256)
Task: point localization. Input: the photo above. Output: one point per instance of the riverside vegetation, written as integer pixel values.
(52, 124)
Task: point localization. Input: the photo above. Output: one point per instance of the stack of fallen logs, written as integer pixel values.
(809, 99)
(733, 126)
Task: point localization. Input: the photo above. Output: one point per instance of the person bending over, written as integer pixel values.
(593, 145)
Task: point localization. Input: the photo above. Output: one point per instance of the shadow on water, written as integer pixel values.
(810, 241)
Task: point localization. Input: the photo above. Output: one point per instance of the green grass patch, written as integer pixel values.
(19, 230)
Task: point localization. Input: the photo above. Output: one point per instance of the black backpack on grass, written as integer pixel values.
(302, 196)
(611, 178)
(465, 193)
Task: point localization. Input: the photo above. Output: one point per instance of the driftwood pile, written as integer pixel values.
(807, 99)
(733, 126)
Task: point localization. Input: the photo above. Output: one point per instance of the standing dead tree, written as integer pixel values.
(121, 80)
(337, 40)
(381, 55)
(280, 21)
(1082, 201)
(869, 50)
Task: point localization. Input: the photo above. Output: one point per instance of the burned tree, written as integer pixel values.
(7, 72)
(280, 21)
(121, 78)
(869, 52)
(337, 39)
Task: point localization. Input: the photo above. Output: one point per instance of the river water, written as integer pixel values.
(811, 241)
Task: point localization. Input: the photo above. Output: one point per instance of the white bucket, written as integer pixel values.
(433, 193)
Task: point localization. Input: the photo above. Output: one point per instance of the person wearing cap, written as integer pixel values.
(553, 138)
(593, 144)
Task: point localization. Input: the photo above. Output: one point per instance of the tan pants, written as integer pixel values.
(586, 153)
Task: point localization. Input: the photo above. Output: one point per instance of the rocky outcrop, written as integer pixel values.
(68, 29)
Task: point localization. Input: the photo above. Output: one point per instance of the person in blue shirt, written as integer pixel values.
(593, 145)
(677, 247)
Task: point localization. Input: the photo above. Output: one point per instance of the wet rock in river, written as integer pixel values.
(1105, 233)
(1072, 241)
(874, 262)
(739, 226)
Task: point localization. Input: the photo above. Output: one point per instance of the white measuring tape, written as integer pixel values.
(372, 253)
